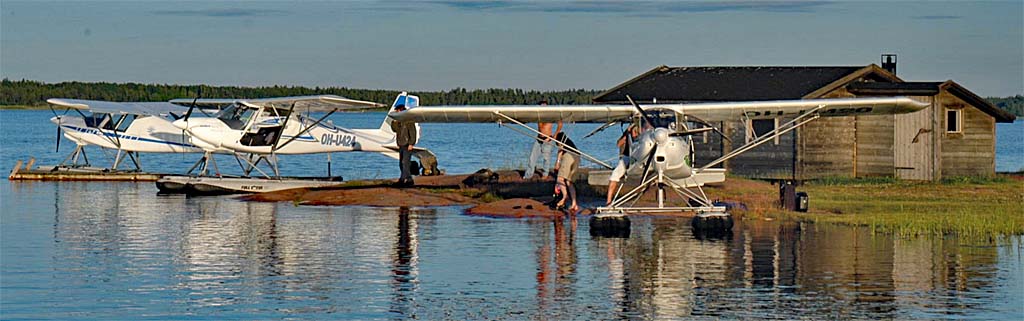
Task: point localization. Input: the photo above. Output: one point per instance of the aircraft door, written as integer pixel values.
(265, 130)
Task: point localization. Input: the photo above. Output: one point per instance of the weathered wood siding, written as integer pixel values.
(826, 146)
(874, 155)
(913, 144)
(971, 152)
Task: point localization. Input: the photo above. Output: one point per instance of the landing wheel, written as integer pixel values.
(615, 226)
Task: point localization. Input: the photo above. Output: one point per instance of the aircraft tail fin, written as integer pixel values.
(410, 101)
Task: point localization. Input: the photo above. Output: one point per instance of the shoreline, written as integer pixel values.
(902, 208)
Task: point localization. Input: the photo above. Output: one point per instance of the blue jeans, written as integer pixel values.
(540, 149)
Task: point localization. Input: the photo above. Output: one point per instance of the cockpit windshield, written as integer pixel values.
(663, 118)
(236, 116)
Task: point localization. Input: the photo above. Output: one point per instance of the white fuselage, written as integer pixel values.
(259, 135)
(671, 158)
(147, 134)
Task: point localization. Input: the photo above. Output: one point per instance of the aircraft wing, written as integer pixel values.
(726, 111)
(136, 108)
(522, 113)
(314, 103)
(706, 111)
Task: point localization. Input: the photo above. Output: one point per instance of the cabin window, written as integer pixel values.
(125, 122)
(111, 125)
(96, 120)
(954, 120)
(760, 127)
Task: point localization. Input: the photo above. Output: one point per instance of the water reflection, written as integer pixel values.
(108, 251)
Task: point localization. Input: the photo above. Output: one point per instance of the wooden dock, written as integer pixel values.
(60, 173)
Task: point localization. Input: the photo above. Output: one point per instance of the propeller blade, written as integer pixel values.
(642, 112)
(600, 129)
(705, 123)
(199, 93)
(58, 134)
(650, 159)
(692, 131)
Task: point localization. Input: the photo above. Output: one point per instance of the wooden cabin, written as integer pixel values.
(955, 136)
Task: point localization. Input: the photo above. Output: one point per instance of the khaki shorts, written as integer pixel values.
(618, 172)
(567, 166)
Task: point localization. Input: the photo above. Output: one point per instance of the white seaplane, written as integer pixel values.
(662, 155)
(264, 129)
(131, 128)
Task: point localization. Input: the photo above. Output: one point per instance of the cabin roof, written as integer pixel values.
(750, 83)
(930, 89)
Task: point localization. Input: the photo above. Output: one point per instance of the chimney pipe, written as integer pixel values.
(889, 62)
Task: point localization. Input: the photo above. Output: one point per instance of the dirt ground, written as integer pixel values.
(502, 195)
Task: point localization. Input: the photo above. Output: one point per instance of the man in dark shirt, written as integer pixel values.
(405, 137)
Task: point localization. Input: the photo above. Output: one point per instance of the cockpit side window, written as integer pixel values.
(96, 120)
(236, 116)
(126, 121)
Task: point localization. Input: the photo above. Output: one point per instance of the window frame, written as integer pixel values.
(959, 121)
(752, 132)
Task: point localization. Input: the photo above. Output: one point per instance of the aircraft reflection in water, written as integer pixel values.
(210, 255)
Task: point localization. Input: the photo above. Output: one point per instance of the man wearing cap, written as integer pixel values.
(405, 137)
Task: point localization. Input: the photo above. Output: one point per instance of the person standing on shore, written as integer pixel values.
(567, 163)
(542, 147)
(405, 137)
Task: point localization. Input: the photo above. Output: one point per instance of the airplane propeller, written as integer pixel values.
(59, 133)
(642, 111)
(199, 93)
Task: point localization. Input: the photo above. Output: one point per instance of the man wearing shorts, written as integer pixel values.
(567, 164)
(620, 169)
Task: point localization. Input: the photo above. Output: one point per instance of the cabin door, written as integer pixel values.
(912, 149)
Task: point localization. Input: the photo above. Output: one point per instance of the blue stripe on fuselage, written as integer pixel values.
(94, 131)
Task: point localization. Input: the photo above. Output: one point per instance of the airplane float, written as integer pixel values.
(662, 155)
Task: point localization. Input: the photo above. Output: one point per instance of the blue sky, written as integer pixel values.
(433, 45)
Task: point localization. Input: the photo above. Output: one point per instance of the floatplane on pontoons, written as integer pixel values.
(264, 129)
(661, 157)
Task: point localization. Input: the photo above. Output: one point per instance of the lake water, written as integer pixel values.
(89, 250)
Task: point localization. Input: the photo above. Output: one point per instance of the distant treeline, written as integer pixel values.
(1013, 104)
(35, 93)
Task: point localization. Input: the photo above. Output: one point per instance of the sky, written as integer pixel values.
(438, 45)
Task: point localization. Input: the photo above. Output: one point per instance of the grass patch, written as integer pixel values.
(971, 207)
(983, 207)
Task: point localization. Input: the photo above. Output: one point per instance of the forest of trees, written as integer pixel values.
(1012, 104)
(35, 93)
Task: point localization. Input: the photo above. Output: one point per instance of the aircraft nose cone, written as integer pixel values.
(55, 119)
(661, 135)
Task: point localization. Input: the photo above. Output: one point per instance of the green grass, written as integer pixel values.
(972, 207)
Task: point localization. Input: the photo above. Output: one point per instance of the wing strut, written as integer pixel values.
(570, 148)
(804, 118)
(304, 130)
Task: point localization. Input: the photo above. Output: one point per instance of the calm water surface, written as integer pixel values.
(118, 251)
